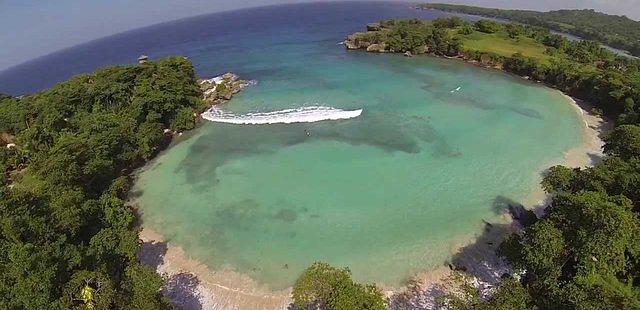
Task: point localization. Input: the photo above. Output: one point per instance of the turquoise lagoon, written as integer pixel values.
(389, 193)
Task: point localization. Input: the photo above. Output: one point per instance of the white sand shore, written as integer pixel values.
(478, 257)
(192, 285)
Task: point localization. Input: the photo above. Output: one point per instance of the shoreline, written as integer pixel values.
(193, 285)
(477, 256)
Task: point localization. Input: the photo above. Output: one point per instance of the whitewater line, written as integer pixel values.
(288, 116)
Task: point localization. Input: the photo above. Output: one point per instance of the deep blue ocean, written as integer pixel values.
(216, 43)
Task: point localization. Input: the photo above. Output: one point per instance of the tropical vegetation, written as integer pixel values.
(324, 287)
(616, 31)
(67, 238)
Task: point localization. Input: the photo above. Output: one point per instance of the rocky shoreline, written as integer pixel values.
(215, 90)
(221, 88)
(363, 41)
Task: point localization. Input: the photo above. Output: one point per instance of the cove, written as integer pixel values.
(389, 193)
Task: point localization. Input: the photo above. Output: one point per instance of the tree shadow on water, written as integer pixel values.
(182, 290)
(417, 297)
(478, 259)
(152, 253)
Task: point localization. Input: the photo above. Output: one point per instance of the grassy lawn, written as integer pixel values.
(501, 44)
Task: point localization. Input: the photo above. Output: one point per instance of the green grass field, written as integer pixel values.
(501, 44)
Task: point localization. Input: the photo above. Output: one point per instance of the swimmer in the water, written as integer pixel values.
(307, 132)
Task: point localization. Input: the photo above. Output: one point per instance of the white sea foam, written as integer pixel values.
(214, 80)
(299, 115)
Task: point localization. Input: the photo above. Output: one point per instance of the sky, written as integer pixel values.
(33, 28)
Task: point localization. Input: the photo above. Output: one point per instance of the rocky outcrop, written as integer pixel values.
(221, 88)
(377, 48)
(374, 27)
(361, 41)
(356, 42)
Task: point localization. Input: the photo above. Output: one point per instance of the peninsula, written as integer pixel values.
(582, 69)
(66, 159)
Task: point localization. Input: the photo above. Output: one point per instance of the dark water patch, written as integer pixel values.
(286, 215)
(241, 215)
(531, 113)
(444, 150)
(460, 99)
(388, 131)
(501, 204)
(292, 234)
(133, 194)
(152, 253)
(517, 211)
(480, 102)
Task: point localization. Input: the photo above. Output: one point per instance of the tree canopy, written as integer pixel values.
(324, 287)
(67, 238)
(616, 31)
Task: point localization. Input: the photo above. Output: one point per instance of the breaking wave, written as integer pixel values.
(299, 115)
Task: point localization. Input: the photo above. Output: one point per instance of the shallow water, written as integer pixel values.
(389, 192)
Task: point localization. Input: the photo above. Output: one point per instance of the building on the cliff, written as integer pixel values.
(143, 59)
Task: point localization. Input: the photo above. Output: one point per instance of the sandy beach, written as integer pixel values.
(192, 285)
(477, 257)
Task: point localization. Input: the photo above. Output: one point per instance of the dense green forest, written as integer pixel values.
(616, 31)
(584, 252)
(67, 239)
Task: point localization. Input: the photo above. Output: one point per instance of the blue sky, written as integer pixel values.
(33, 28)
